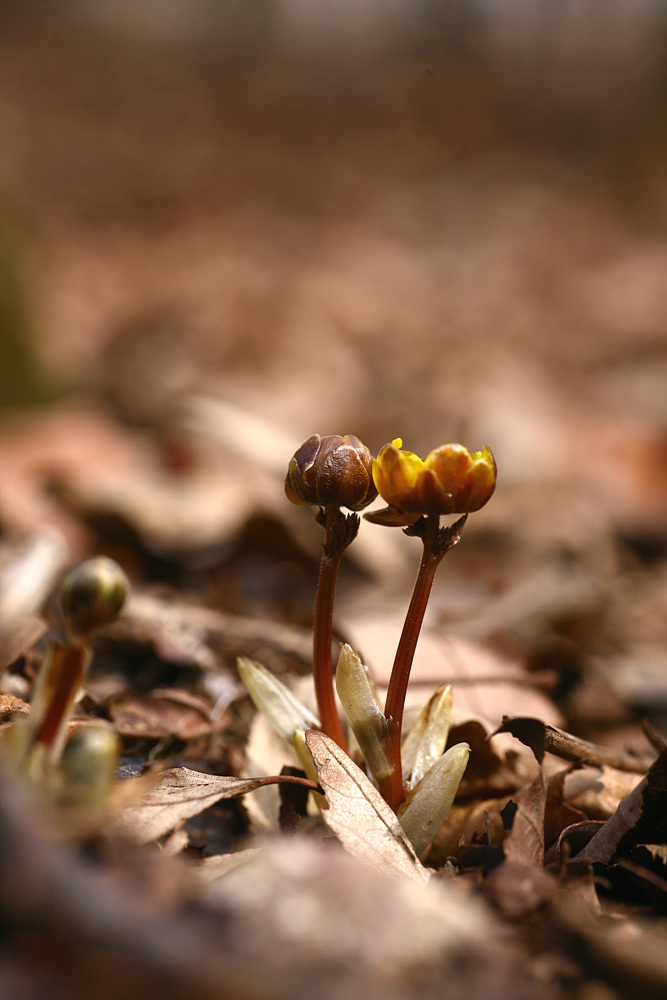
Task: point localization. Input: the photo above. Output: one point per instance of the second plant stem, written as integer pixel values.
(391, 787)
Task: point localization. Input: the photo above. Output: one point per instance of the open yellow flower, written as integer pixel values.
(450, 480)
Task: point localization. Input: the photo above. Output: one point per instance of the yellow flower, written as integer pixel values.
(450, 480)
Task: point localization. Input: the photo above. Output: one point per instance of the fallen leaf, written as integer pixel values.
(473, 822)
(596, 792)
(498, 765)
(558, 814)
(162, 714)
(180, 794)
(525, 842)
(641, 812)
(358, 814)
(531, 732)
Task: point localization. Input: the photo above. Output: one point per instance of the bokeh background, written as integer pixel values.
(228, 225)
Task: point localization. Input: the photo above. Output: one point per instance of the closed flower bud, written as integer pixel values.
(331, 470)
(450, 480)
(88, 766)
(92, 595)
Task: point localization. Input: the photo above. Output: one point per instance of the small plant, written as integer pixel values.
(414, 775)
(80, 771)
(332, 472)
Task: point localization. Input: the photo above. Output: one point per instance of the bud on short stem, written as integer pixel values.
(92, 595)
(331, 470)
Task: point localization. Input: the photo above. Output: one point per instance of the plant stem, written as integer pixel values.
(391, 787)
(335, 543)
(65, 670)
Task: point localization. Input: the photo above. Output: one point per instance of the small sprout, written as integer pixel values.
(427, 739)
(92, 595)
(88, 767)
(271, 697)
(428, 804)
(363, 712)
(331, 470)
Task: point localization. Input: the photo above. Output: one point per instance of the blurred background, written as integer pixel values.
(227, 225)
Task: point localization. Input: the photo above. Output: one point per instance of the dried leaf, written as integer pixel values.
(525, 842)
(180, 794)
(358, 814)
(596, 792)
(531, 732)
(644, 810)
(163, 714)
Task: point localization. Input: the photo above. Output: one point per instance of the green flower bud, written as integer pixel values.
(89, 764)
(92, 595)
(331, 470)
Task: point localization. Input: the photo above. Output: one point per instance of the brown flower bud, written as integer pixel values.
(92, 595)
(331, 470)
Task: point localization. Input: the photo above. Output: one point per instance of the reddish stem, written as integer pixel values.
(322, 633)
(68, 666)
(391, 787)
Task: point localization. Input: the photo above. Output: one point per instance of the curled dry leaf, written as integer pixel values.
(358, 814)
(164, 713)
(640, 815)
(181, 794)
(525, 843)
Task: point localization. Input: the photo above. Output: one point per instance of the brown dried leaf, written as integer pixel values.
(596, 792)
(498, 765)
(163, 714)
(525, 842)
(358, 814)
(181, 794)
(475, 822)
(641, 812)
(531, 732)
(558, 814)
